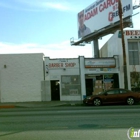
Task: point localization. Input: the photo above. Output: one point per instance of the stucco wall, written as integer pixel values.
(20, 77)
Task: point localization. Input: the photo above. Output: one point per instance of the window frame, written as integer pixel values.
(134, 60)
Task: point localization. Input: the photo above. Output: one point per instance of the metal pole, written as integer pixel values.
(96, 48)
(123, 44)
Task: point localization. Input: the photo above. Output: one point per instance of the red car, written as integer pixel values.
(113, 96)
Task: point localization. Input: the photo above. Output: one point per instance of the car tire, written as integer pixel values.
(97, 102)
(130, 101)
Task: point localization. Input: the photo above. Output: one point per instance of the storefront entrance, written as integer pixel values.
(55, 90)
(89, 87)
(100, 83)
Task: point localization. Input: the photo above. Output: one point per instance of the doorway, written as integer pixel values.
(55, 90)
(89, 87)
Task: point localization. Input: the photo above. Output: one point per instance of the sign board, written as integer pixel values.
(73, 91)
(62, 63)
(100, 63)
(101, 14)
(132, 32)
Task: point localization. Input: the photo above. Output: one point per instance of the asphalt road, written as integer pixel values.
(69, 123)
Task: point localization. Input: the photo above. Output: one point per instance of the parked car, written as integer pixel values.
(113, 96)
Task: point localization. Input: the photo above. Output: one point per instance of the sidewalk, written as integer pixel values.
(40, 104)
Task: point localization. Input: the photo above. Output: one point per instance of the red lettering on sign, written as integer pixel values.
(92, 13)
(55, 65)
(106, 4)
(110, 16)
(61, 65)
(70, 64)
(133, 32)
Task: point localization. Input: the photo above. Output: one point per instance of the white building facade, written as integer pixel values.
(132, 47)
(34, 77)
(20, 77)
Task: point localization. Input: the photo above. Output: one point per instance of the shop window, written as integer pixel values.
(133, 53)
(111, 81)
(135, 81)
(70, 85)
(98, 84)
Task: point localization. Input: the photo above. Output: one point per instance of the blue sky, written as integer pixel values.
(46, 26)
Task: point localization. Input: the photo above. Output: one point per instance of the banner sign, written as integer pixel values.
(101, 14)
(132, 32)
(62, 63)
(100, 63)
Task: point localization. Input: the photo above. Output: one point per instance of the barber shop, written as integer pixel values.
(62, 79)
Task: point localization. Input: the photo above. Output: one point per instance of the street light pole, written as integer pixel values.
(123, 44)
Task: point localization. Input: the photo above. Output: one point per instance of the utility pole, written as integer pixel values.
(123, 44)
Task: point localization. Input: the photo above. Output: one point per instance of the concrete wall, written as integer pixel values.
(20, 77)
(104, 50)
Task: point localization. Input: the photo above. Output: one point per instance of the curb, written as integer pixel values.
(7, 106)
(37, 104)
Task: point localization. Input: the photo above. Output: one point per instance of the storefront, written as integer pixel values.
(62, 79)
(96, 83)
(132, 48)
(98, 75)
(73, 79)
